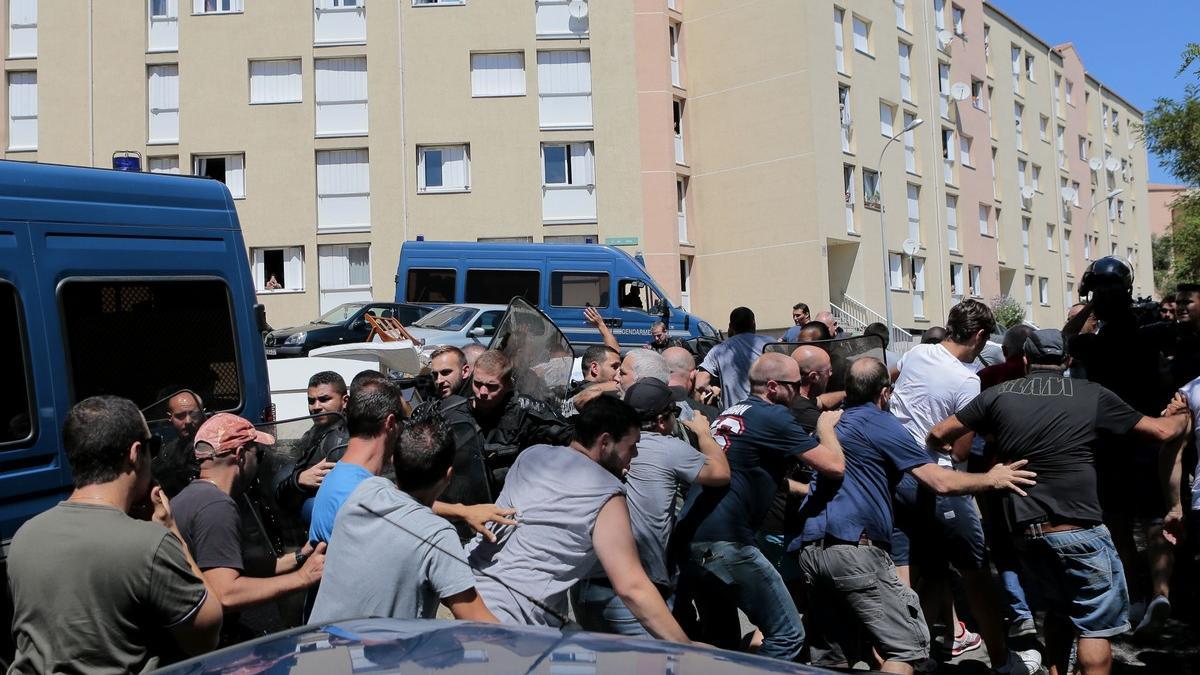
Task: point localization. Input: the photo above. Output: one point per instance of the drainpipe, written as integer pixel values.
(939, 187)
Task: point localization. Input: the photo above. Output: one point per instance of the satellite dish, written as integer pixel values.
(578, 9)
(1027, 192)
(1096, 163)
(1112, 164)
(911, 247)
(959, 91)
(1068, 194)
(944, 38)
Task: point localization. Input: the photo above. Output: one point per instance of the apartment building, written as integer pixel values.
(731, 143)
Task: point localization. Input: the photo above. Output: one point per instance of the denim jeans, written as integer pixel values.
(599, 609)
(727, 577)
(1077, 575)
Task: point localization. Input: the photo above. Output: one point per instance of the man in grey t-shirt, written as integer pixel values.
(390, 555)
(730, 361)
(663, 462)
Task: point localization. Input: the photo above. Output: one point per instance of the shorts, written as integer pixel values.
(860, 584)
(932, 530)
(1077, 575)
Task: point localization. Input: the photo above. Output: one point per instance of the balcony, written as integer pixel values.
(553, 20)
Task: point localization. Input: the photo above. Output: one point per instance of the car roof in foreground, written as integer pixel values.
(460, 648)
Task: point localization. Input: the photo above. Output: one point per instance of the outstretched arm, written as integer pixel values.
(592, 316)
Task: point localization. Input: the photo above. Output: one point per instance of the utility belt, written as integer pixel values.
(1040, 530)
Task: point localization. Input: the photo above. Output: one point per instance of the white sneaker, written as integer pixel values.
(1157, 613)
(1025, 662)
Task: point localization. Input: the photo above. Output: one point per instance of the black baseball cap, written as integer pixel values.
(1045, 347)
(650, 397)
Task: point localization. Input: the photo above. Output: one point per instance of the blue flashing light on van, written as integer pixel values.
(115, 282)
(561, 280)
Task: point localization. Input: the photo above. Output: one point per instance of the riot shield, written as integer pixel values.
(541, 355)
(842, 352)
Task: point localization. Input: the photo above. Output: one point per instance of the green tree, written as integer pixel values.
(1008, 312)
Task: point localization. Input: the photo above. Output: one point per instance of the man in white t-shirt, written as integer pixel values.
(936, 381)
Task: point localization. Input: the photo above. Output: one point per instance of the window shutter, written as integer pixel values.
(582, 165)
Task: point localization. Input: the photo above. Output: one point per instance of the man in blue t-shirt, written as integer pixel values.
(715, 534)
(847, 532)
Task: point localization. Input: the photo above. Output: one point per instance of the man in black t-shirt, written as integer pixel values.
(1055, 423)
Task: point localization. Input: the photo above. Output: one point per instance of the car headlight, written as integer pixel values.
(296, 338)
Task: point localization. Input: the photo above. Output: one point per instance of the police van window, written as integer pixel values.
(145, 339)
(637, 295)
(578, 289)
(501, 286)
(431, 286)
(16, 419)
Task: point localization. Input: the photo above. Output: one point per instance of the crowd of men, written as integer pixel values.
(855, 507)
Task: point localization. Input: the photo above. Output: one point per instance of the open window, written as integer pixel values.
(637, 295)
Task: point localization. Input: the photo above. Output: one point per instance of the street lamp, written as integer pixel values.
(1098, 202)
(887, 277)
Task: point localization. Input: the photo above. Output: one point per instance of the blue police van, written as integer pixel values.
(560, 280)
(121, 283)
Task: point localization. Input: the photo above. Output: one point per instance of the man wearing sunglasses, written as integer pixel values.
(228, 449)
(91, 583)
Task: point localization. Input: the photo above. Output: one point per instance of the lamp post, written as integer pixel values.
(1107, 219)
(887, 277)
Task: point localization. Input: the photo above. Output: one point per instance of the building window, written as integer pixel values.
(681, 186)
(871, 189)
(1025, 224)
(1029, 67)
(848, 188)
(1066, 248)
(1058, 111)
(862, 35)
(344, 274)
(914, 212)
(910, 148)
(565, 89)
(901, 15)
(443, 168)
(956, 282)
(1044, 291)
(985, 215)
(278, 269)
(974, 272)
(553, 19)
(939, 15)
(341, 93)
(227, 169)
(164, 165)
(956, 14)
(421, 3)
(977, 94)
(1075, 193)
(163, 26)
(499, 74)
(568, 182)
(1036, 178)
(163, 99)
(22, 29)
(677, 111)
(22, 110)
(339, 22)
(1016, 70)
(847, 122)
(839, 39)
(952, 222)
(918, 287)
(1083, 149)
(1060, 143)
(1044, 128)
(948, 154)
(1050, 236)
(887, 119)
(1120, 210)
(343, 190)
(906, 72)
(1019, 123)
(275, 81)
(673, 45)
(944, 89)
(217, 6)
(1070, 92)
(895, 271)
(1028, 297)
(964, 150)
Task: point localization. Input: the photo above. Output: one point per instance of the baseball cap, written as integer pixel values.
(226, 432)
(650, 397)
(1045, 347)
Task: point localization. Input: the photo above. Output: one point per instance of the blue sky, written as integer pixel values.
(1133, 47)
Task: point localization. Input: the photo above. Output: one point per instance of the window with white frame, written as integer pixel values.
(22, 29)
(341, 96)
(344, 274)
(914, 212)
(677, 112)
(1016, 69)
(948, 154)
(443, 168)
(1030, 70)
(995, 180)
(1120, 210)
(499, 74)
(163, 26)
(906, 72)
(895, 271)
(1070, 92)
(910, 147)
(987, 48)
(985, 215)
(343, 190)
(275, 81)
(957, 15)
(553, 20)
(977, 100)
(944, 89)
(339, 22)
(1058, 110)
(163, 101)
(901, 15)
(565, 89)
(419, 3)
(848, 193)
(887, 119)
(845, 119)
(975, 280)
(1028, 297)
(1044, 128)
(568, 182)
(227, 169)
(1049, 236)
(1075, 193)
(1044, 291)
(839, 39)
(217, 6)
(870, 189)
(1025, 225)
(1066, 249)
(1019, 124)
(956, 282)
(952, 222)
(166, 164)
(278, 270)
(1060, 141)
(964, 150)
(22, 110)
(1035, 179)
(1022, 168)
(918, 287)
(673, 45)
(991, 100)
(862, 35)
(681, 185)
(1087, 247)
(939, 15)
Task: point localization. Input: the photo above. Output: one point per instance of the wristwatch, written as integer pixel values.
(300, 558)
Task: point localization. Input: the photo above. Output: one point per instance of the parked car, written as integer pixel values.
(462, 648)
(458, 325)
(340, 325)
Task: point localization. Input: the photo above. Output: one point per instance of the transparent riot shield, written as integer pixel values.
(842, 352)
(541, 355)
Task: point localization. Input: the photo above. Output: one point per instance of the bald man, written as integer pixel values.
(827, 319)
(723, 567)
(682, 367)
(175, 465)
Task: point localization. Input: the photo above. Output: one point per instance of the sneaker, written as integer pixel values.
(1157, 613)
(1022, 628)
(1025, 662)
(965, 641)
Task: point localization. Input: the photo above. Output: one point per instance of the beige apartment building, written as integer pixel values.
(732, 143)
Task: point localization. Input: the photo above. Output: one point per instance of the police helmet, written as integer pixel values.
(1107, 272)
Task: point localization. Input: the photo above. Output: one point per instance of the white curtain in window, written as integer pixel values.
(164, 165)
(275, 81)
(905, 71)
(293, 268)
(914, 212)
(839, 40)
(22, 28)
(886, 119)
(498, 74)
(583, 167)
(341, 92)
(163, 90)
(939, 14)
(861, 36)
(22, 110)
(454, 167)
(894, 270)
(343, 189)
(565, 88)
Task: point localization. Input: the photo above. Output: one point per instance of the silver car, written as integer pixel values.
(458, 325)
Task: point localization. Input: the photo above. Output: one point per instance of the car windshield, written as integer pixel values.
(450, 317)
(340, 313)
